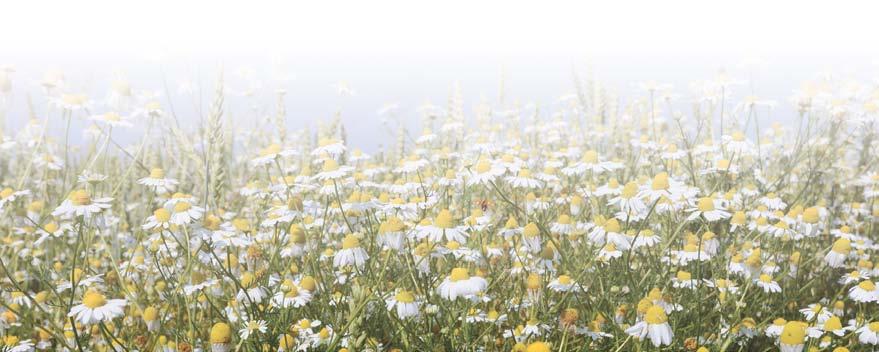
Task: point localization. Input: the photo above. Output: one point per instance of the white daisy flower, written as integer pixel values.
(291, 295)
(331, 147)
(767, 284)
(524, 180)
(864, 292)
(79, 203)
(8, 195)
(708, 209)
(460, 284)
(351, 253)
(96, 308)
(158, 181)
(654, 326)
(112, 119)
(869, 333)
(404, 304)
(252, 327)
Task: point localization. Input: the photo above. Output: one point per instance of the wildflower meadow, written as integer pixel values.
(598, 222)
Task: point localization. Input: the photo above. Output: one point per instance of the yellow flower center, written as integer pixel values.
(531, 230)
(739, 218)
(287, 342)
(182, 206)
(655, 315)
(247, 280)
(867, 285)
(564, 219)
(10, 341)
(51, 227)
(660, 181)
(221, 333)
(613, 183)
(655, 294)
(538, 347)
(93, 299)
(762, 221)
(444, 219)
(80, 197)
(6, 192)
(854, 274)
(76, 274)
(706, 204)
(157, 173)
(684, 276)
(36, 206)
(738, 136)
(810, 215)
(832, 324)
(511, 223)
(612, 225)
(590, 157)
(308, 283)
(162, 215)
(793, 333)
(292, 291)
(565, 280)
(459, 274)
(630, 190)
(240, 224)
(150, 314)
(533, 282)
(112, 116)
(842, 246)
(330, 165)
(405, 297)
(270, 150)
(73, 99)
(483, 166)
(350, 241)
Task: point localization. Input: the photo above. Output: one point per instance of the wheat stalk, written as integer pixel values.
(213, 155)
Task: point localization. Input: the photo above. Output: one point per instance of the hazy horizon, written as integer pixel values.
(377, 81)
(386, 58)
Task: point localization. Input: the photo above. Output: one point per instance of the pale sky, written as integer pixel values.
(409, 52)
(414, 27)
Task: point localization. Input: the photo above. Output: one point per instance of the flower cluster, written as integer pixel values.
(605, 225)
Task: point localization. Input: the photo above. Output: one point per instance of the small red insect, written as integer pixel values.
(483, 204)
